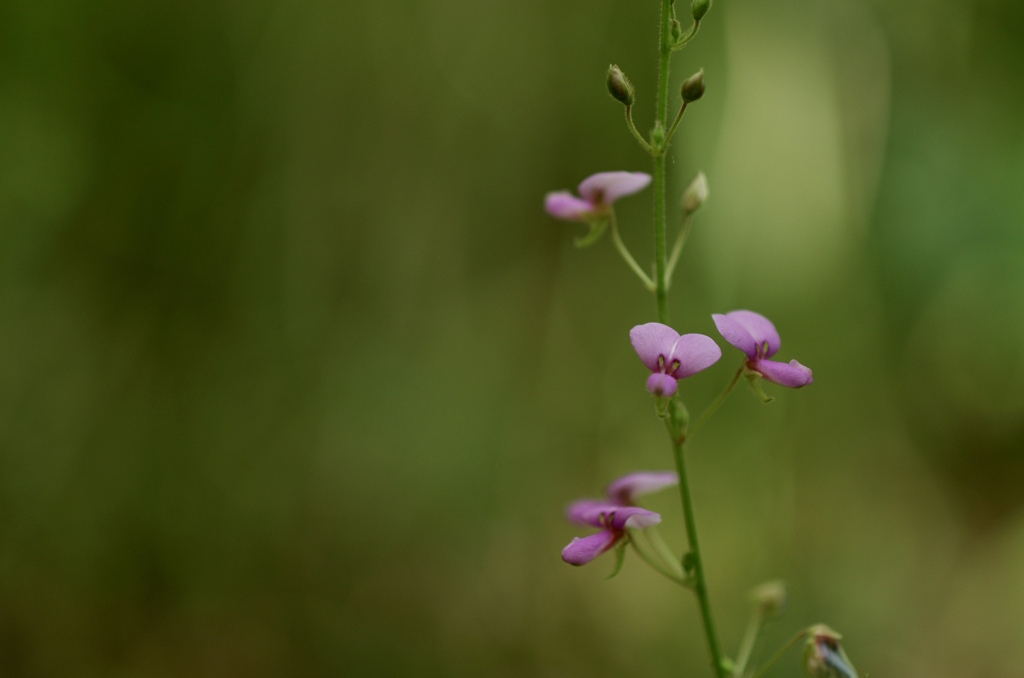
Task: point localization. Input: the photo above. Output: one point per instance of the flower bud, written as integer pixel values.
(770, 597)
(619, 86)
(824, 657)
(695, 194)
(693, 87)
(676, 32)
(700, 8)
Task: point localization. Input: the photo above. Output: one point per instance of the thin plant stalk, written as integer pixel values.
(654, 537)
(661, 295)
(658, 151)
(749, 639)
(624, 253)
(654, 563)
(782, 650)
(697, 562)
(713, 407)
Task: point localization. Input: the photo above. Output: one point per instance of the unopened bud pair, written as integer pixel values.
(622, 89)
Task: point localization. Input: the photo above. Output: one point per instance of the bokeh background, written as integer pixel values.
(297, 377)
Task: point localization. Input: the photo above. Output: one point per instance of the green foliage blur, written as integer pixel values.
(296, 377)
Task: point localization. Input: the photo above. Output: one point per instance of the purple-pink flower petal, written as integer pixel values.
(652, 341)
(564, 205)
(590, 511)
(631, 516)
(748, 331)
(610, 515)
(605, 188)
(661, 385)
(693, 352)
(735, 334)
(613, 516)
(791, 374)
(581, 550)
(624, 490)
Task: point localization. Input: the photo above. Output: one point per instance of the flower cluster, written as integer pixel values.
(614, 514)
(671, 356)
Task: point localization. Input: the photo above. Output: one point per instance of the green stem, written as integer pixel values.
(660, 119)
(661, 293)
(663, 550)
(699, 579)
(654, 563)
(675, 123)
(624, 252)
(636, 133)
(677, 249)
(783, 650)
(749, 639)
(713, 407)
(687, 37)
(660, 122)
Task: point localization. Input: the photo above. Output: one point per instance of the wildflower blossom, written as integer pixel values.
(597, 193)
(756, 336)
(614, 515)
(671, 357)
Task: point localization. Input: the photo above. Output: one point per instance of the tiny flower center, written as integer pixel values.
(670, 368)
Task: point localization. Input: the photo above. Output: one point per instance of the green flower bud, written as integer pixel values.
(700, 8)
(770, 596)
(695, 194)
(619, 86)
(693, 87)
(677, 31)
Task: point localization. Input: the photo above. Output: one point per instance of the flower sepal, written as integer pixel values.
(620, 558)
(661, 407)
(681, 420)
(597, 229)
(754, 381)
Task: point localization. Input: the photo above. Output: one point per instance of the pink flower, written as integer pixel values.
(597, 193)
(756, 336)
(671, 357)
(614, 515)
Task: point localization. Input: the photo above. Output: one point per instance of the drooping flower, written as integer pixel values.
(756, 336)
(596, 194)
(614, 515)
(671, 357)
(824, 657)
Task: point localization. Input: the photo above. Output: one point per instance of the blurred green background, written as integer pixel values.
(297, 377)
